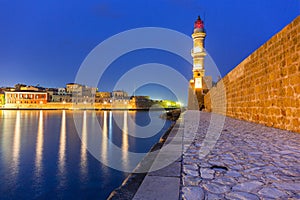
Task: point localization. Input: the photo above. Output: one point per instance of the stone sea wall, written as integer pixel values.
(265, 87)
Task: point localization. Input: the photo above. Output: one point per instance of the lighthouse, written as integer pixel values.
(198, 87)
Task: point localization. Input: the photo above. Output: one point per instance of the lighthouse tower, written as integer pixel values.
(197, 87)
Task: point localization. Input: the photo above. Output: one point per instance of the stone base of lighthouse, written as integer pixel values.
(196, 95)
(195, 98)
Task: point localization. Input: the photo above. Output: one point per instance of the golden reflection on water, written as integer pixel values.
(110, 128)
(39, 145)
(16, 143)
(62, 144)
(83, 151)
(104, 141)
(8, 128)
(125, 141)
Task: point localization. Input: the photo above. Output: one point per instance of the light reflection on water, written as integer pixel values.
(42, 155)
(125, 144)
(104, 138)
(83, 154)
(62, 149)
(16, 145)
(39, 147)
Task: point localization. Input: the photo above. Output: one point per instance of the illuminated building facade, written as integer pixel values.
(25, 97)
(2, 99)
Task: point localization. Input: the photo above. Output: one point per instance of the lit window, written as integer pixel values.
(197, 49)
(198, 83)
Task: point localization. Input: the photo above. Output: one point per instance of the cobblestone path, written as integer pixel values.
(248, 161)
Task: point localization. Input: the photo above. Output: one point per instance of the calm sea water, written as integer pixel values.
(43, 154)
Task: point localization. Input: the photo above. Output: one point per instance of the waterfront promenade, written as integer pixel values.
(246, 161)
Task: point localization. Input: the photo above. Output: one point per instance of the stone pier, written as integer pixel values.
(226, 158)
(248, 161)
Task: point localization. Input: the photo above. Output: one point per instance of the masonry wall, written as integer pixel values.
(265, 87)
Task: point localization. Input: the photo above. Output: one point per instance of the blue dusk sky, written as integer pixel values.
(45, 42)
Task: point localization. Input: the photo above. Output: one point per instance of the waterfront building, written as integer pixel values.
(61, 98)
(61, 91)
(80, 91)
(101, 97)
(103, 94)
(25, 97)
(29, 88)
(50, 93)
(74, 89)
(198, 86)
(119, 94)
(19, 85)
(89, 91)
(2, 99)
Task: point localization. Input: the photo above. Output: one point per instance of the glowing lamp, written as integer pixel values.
(198, 83)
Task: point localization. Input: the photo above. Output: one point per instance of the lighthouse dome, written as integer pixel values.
(199, 25)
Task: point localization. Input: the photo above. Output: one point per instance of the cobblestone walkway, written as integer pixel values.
(248, 161)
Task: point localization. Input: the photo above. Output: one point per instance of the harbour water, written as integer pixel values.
(44, 154)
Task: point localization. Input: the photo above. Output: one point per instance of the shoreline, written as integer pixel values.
(132, 182)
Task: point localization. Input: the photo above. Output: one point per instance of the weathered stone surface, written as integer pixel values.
(241, 196)
(192, 193)
(292, 186)
(207, 173)
(248, 186)
(271, 193)
(216, 188)
(211, 196)
(193, 167)
(191, 181)
(250, 161)
(191, 172)
(225, 181)
(233, 174)
(155, 187)
(172, 170)
(264, 88)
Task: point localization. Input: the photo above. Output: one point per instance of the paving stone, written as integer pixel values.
(292, 186)
(233, 174)
(225, 181)
(171, 170)
(191, 172)
(211, 196)
(204, 164)
(190, 166)
(191, 181)
(155, 187)
(271, 192)
(207, 173)
(252, 169)
(192, 193)
(241, 196)
(291, 172)
(236, 167)
(262, 162)
(216, 188)
(248, 186)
